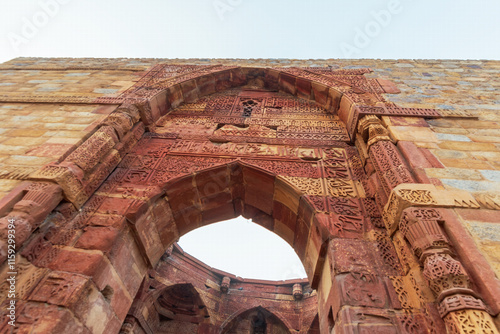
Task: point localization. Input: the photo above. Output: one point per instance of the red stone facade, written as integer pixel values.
(300, 151)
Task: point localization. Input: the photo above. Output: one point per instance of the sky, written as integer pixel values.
(457, 29)
(393, 29)
(245, 249)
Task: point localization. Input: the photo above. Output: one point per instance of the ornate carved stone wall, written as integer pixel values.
(319, 155)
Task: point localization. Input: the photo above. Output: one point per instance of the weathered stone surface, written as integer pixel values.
(197, 144)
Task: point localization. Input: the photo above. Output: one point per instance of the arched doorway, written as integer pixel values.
(304, 180)
(255, 321)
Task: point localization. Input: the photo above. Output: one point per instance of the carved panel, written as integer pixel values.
(405, 254)
(341, 188)
(444, 273)
(309, 186)
(421, 228)
(289, 168)
(405, 298)
(350, 255)
(346, 226)
(27, 278)
(362, 289)
(470, 322)
(389, 165)
(387, 253)
(59, 288)
(417, 196)
(460, 302)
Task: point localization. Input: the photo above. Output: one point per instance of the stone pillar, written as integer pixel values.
(459, 305)
(384, 156)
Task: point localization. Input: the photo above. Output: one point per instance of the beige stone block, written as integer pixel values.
(67, 134)
(284, 232)
(428, 145)
(466, 163)
(412, 133)
(23, 160)
(25, 133)
(11, 149)
(484, 139)
(7, 185)
(489, 156)
(456, 131)
(454, 173)
(85, 120)
(25, 141)
(467, 146)
(69, 127)
(64, 140)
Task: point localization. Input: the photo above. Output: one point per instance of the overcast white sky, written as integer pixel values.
(453, 29)
(250, 28)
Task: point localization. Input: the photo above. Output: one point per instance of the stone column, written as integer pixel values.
(459, 305)
(384, 156)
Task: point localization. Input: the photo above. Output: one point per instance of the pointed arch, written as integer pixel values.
(331, 94)
(226, 191)
(182, 302)
(243, 313)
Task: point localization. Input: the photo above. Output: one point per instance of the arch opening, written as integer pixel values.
(245, 249)
(256, 321)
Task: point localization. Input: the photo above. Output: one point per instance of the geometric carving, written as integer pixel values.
(387, 253)
(91, 152)
(67, 180)
(488, 200)
(366, 123)
(60, 288)
(27, 278)
(405, 298)
(405, 254)
(443, 273)
(309, 186)
(289, 168)
(423, 197)
(389, 165)
(421, 228)
(470, 322)
(406, 195)
(459, 302)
